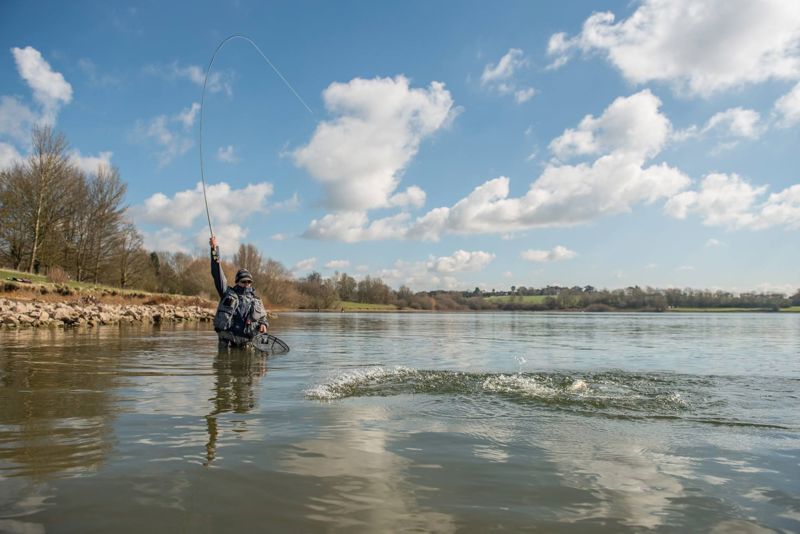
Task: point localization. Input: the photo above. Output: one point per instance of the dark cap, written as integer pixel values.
(243, 274)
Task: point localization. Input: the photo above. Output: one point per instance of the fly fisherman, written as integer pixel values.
(240, 314)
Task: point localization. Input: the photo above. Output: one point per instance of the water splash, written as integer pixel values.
(613, 390)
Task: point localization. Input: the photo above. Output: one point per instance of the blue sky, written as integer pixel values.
(451, 145)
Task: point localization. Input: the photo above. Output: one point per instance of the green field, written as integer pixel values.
(518, 299)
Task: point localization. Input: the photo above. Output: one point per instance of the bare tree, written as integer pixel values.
(130, 260)
(14, 228)
(49, 174)
(106, 194)
(248, 257)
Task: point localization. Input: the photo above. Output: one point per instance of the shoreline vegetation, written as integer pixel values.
(33, 301)
(66, 237)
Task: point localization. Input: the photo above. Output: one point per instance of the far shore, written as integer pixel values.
(53, 310)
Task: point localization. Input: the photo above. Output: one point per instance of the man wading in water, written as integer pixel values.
(240, 314)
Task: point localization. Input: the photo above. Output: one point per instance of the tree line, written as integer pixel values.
(58, 220)
(64, 223)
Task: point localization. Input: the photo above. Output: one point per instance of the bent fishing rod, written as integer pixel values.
(203, 97)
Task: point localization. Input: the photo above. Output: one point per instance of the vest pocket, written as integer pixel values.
(223, 319)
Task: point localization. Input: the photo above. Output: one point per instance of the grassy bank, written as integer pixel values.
(37, 287)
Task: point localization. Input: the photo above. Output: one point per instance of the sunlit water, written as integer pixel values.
(397, 422)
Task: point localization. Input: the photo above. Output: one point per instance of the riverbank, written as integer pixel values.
(39, 313)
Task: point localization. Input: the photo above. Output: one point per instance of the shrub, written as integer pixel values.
(57, 275)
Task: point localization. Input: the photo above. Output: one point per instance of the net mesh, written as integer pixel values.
(270, 343)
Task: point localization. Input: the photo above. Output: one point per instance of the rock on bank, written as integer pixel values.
(23, 314)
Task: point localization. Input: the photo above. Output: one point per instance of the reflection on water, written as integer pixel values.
(56, 407)
(236, 373)
(462, 422)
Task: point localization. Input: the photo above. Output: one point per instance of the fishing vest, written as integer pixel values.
(237, 312)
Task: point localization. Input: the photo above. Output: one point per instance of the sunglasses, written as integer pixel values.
(246, 282)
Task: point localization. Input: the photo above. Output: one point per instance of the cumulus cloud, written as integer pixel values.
(337, 264)
(630, 124)
(436, 272)
(16, 119)
(8, 156)
(227, 154)
(182, 209)
(412, 196)
(729, 200)
(218, 81)
(50, 91)
(90, 164)
(500, 77)
(360, 155)
(737, 122)
(304, 265)
(188, 115)
(354, 226)
(164, 239)
(700, 47)
(631, 131)
(49, 88)
(559, 253)
(729, 126)
(787, 108)
(229, 235)
(460, 261)
(169, 133)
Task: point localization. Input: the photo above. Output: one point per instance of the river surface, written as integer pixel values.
(407, 422)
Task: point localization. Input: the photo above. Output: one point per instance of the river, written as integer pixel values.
(396, 422)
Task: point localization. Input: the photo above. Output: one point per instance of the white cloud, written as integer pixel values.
(279, 237)
(90, 164)
(730, 201)
(227, 154)
(559, 253)
(685, 268)
(226, 205)
(631, 124)
(500, 77)
(360, 155)
(737, 122)
(412, 196)
(188, 115)
(354, 226)
(337, 264)
(218, 81)
(16, 120)
(505, 68)
(729, 126)
(50, 88)
(787, 107)
(523, 95)
(173, 142)
(435, 272)
(460, 261)
(632, 130)
(700, 47)
(713, 242)
(564, 195)
(8, 156)
(304, 265)
(290, 204)
(229, 236)
(164, 239)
